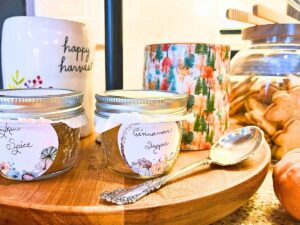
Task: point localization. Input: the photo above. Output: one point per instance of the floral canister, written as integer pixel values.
(39, 132)
(201, 71)
(140, 130)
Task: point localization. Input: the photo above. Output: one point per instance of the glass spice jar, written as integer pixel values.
(265, 87)
(141, 130)
(39, 132)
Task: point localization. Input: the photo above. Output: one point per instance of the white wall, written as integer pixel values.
(153, 21)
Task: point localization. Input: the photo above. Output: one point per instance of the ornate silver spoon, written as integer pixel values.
(231, 149)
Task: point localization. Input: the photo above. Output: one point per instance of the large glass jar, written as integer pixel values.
(265, 87)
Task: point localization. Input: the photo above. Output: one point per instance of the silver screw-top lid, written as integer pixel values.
(145, 102)
(47, 103)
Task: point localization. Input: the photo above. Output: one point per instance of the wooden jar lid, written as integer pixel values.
(262, 32)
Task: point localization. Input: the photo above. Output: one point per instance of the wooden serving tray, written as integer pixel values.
(207, 195)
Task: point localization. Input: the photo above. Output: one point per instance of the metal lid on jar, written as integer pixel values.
(54, 104)
(273, 33)
(145, 102)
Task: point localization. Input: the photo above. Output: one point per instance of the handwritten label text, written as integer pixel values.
(7, 135)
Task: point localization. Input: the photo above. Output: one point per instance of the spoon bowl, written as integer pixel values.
(237, 146)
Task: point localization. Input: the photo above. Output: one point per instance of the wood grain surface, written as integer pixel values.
(246, 17)
(205, 196)
(272, 15)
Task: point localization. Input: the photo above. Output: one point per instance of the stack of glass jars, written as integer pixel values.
(265, 87)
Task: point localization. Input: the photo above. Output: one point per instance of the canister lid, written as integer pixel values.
(50, 103)
(273, 33)
(145, 102)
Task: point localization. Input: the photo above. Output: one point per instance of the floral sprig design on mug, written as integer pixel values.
(35, 83)
(18, 81)
(201, 71)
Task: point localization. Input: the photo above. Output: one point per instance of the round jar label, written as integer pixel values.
(26, 150)
(149, 149)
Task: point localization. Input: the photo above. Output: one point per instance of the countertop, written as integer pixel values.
(263, 208)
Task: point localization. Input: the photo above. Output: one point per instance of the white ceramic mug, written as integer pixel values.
(46, 52)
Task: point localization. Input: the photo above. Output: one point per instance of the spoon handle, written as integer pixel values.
(132, 194)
